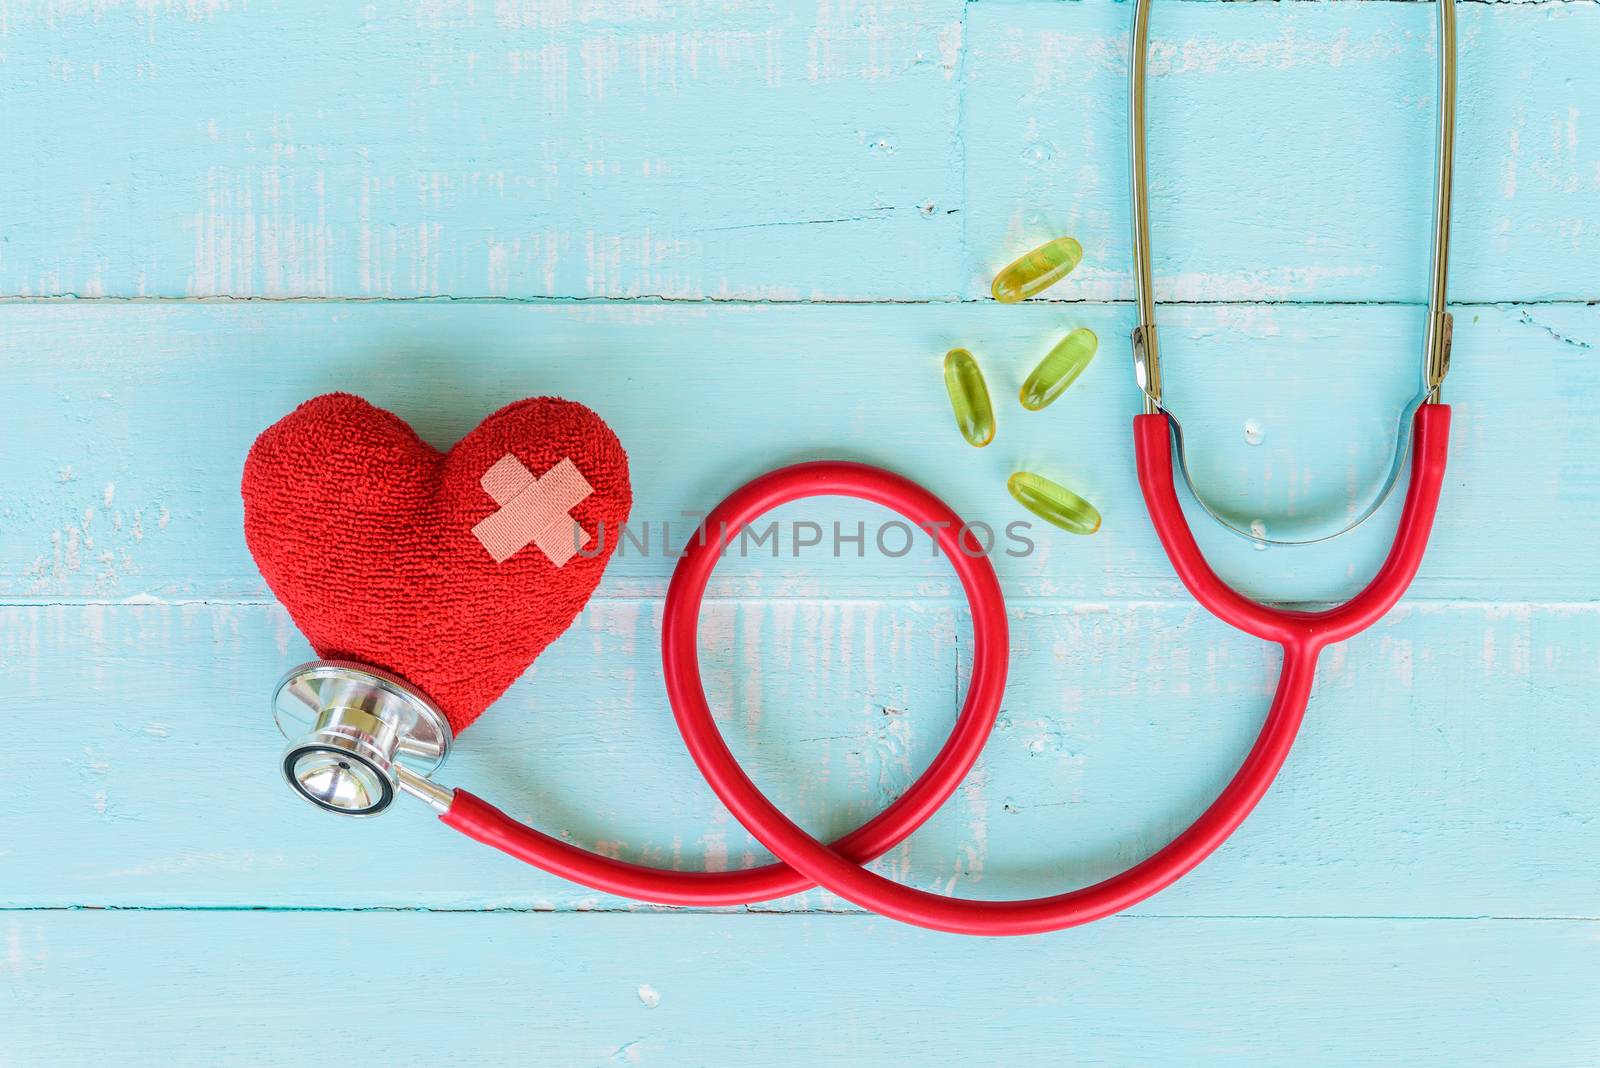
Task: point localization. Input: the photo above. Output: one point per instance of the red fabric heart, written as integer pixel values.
(365, 533)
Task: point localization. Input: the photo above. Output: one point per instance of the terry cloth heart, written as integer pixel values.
(451, 569)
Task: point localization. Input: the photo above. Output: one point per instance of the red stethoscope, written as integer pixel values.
(398, 736)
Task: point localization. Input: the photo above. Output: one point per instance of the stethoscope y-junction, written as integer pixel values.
(361, 734)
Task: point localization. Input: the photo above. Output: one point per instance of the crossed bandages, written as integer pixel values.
(533, 510)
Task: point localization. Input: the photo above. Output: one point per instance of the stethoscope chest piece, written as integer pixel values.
(356, 734)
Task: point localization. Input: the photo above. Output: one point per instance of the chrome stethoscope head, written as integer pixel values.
(357, 735)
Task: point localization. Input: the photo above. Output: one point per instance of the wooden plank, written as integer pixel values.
(1418, 888)
(761, 149)
(765, 151)
(256, 988)
(1290, 148)
(1442, 770)
(127, 427)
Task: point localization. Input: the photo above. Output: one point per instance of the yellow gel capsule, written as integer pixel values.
(969, 397)
(1037, 271)
(1059, 369)
(1053, 503)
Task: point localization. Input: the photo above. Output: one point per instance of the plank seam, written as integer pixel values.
(650, 910)
(1034, 600)
(68, 298)
(1341, 3)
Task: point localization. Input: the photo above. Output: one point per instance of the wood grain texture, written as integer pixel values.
(749, 149)
(1445, 768)
(1289, 148)
(775, 151)
(745, 231)
(130, 425)
(239, 989)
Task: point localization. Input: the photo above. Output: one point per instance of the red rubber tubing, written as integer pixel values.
(806, 861)
(1430, 439)
(477, 819)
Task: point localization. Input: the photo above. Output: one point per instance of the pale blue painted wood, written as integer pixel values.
(409, 988)
(1290, 148)
(750, 150)
(130, 426)
(1446, 768)
(783, 151)
(1441, 795)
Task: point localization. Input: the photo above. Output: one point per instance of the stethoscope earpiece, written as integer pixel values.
(356, 735)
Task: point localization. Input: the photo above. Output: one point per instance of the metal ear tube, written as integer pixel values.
(1436, 346)
(356, 735)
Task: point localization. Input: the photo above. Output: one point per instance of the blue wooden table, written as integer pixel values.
(745, 232)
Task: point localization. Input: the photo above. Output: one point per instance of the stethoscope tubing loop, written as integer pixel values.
(991, 655)
(805, 862)
(1302, 636)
